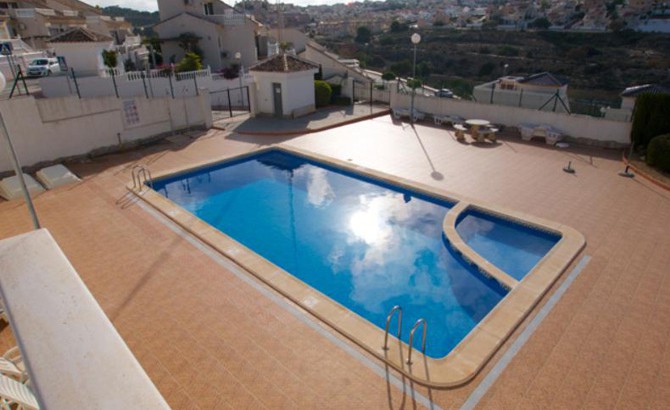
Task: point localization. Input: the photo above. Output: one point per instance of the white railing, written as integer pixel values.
(24, 13)
(228, 19)
(107, 72)
(46, 12)
(70, 13)
(139, 75)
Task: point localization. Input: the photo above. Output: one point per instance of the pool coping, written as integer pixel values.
(474, 351)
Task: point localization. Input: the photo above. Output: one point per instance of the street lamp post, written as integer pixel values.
(416, 39)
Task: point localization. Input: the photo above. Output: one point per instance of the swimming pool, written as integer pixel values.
(348, 243)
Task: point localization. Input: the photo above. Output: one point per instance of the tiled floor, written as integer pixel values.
(210, 340)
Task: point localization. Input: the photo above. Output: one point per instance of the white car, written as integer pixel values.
(41, 67)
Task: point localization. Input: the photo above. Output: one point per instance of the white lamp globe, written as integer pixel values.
(416, 38)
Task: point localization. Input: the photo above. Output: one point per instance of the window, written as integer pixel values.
(209, 8)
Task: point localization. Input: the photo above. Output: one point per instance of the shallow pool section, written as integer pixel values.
(365, 244)
(513, 248)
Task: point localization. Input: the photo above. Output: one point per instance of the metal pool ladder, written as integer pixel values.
(388, 322)
(411, 339)
(141, 175)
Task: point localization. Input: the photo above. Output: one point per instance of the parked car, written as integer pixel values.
(444, 93)
(41, 67)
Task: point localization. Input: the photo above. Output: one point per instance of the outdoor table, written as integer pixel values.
(475, 125)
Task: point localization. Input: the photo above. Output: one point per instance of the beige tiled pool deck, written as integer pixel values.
(210, 340)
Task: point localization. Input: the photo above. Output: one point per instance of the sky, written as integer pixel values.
(152, 5)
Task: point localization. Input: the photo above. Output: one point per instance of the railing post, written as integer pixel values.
(144, 83)
(248, 99)
(230, 104)
(116, 90)
(76, 84)
(170, 80)
(371, 84)
(195, 81)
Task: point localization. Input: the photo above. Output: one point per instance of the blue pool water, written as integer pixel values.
(512, 248)
(363, 243)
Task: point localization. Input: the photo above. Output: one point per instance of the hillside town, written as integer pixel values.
(559, 15)
(373, 205)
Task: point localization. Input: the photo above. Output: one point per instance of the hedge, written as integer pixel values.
(651, 118)
(658, 152)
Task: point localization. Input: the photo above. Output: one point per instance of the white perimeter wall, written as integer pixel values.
(591, 129)
(50, 129)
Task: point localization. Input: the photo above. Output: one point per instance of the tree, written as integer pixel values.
(388, 76)
(541, 23)
(189, 43)
(363, 35)
(109, 58)
(414, 83)
(190, 62)
(322, 93)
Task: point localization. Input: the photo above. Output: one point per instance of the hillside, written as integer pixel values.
(139, 19)
(598, 65)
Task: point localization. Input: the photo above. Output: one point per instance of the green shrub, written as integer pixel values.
(658, 152)
(109, 58)
(341, 100)
(322, 93)
(651, 117)
(190, 62)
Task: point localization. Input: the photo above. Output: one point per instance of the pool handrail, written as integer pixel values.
(388, 322)
(139, 170)
(411, 339)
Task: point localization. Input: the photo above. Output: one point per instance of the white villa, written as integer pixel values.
(224, 36)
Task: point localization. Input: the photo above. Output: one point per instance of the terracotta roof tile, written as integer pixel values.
(80, 35)
(284, 63)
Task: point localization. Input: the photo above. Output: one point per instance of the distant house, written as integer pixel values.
(36, 21)
(82, 49)
(630, 94)
(544, 91)
(224, 36)
(274, 78)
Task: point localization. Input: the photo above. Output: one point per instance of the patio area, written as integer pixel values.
(210, 336)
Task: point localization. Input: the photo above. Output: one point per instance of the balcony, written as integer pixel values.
(233, 19)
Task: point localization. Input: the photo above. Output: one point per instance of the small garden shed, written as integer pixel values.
(284, 86)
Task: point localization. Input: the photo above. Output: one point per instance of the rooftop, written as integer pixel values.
(80, 35)
(210, 336)
(646, 88)
(284, 63)
(545, 79)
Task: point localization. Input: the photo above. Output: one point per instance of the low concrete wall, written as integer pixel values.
(582, 128)
(46, 130)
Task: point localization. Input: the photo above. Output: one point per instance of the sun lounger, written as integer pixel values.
(55, 176)
(10, 187)
(13, 392)
(398, 113)
(550, 134)
(447, 119)
(11, 364)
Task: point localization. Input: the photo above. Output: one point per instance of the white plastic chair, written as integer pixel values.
(11, 364)
(15, 393)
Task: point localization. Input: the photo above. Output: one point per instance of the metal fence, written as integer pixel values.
(231, 101)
